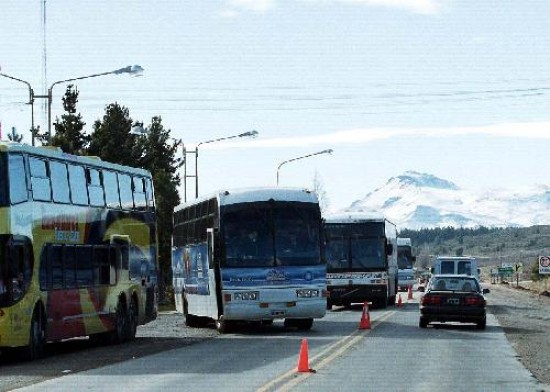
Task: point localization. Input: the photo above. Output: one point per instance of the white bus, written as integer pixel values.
(405, 264)
(361, 261)
(250, 255)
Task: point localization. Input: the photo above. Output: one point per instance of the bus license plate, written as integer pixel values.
(278, 313)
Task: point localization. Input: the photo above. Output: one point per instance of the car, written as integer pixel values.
(457, 298)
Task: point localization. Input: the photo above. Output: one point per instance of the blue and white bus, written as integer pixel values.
(361, 259)
(250, 255)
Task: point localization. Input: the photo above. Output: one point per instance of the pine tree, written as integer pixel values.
(69, 133)
(111, 139)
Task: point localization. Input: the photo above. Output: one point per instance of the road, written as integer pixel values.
(394, 355)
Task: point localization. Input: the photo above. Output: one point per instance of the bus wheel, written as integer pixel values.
(304, 324)
(121, 320)
(132, 319)
(37, 338)
(222, 325)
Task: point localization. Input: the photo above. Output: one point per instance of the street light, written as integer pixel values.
(329, 151)
(252, 134)
(31, 99)
(134, 70)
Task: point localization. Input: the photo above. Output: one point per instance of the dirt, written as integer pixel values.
(525, 316)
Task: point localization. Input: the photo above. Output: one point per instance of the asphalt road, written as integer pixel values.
(394, 355)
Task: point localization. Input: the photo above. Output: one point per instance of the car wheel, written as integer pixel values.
(423, 322)
(304, 324)
(482, 324)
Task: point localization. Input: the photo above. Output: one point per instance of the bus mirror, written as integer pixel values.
(389, 249)
(413, 259)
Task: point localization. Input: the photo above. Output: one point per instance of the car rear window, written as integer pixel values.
(454, 284)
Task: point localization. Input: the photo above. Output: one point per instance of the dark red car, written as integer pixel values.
(458, 298)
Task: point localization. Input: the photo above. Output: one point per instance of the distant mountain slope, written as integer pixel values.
(419, 200)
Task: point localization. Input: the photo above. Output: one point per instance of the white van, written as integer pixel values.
(456, 265)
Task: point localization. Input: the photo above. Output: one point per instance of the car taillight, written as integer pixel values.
(431, 300)
(474, 301)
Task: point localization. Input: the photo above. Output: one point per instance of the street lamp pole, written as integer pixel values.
(31, 99)
(134, 70)
(329, 151)
(252, 133)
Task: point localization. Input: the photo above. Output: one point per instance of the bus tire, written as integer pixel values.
(304, 324)
(222, 325)
(121, 322)
(37, 337)
(132, 320)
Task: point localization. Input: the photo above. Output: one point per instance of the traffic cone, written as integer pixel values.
(410, 296)
(365, 317)
(303, 360)
(399, 301)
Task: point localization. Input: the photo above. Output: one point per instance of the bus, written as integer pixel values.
(405, 264)
(250, 255)
(78, 249)
(361, 259)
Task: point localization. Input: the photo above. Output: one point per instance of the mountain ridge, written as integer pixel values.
(415, 200)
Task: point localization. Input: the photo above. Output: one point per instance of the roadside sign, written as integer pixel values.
(544, 265)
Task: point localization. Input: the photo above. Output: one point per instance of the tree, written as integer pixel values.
(111, 139)
(69, 133)
(159, 157)
(321, 194)
(14, 136)
(113, 142)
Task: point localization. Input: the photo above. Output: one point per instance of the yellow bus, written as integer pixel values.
(78, 248)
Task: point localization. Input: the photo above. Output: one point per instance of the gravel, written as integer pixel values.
(525, 317)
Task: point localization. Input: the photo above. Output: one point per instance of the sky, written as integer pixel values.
(457, 89)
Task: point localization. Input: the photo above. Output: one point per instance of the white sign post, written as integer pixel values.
(544, 265)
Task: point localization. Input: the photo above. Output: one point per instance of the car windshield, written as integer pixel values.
(454, 284)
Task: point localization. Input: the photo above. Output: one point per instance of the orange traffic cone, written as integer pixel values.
(365, 317)
(410, 293)
(399, 301)
(303, 360)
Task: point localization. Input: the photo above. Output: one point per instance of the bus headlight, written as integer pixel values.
(307, 293)
(246, 296)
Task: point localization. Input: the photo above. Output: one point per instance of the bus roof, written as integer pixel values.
(354, 217)
(249, 195)
(403, 241)
(456, 258)
(56, 152)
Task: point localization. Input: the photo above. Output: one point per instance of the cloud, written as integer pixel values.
(228, 14)
(253, 5)
(361, 136)
(419, 6)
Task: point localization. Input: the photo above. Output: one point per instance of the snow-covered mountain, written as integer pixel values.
(418, 200)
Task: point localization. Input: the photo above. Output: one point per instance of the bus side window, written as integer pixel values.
(111, 189)
(138, 187)
(125, 187)
(17, 179)
(95, 187)
(149, 194)
(60, 182)
(40, 180)
(77, 184)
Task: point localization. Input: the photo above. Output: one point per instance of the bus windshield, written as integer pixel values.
(267, 234)
(404, 258)
(355, 248)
